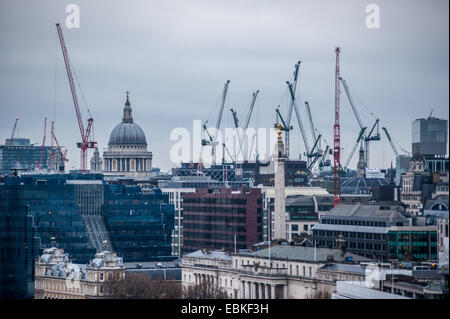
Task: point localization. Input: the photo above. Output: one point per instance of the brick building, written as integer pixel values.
(222, 218)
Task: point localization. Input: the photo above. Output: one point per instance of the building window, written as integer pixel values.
(101, 276)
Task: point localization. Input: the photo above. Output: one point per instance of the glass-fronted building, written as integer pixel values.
(140, 225)
(80, 213)
(19, 154)
(413, 243)
(429, 136)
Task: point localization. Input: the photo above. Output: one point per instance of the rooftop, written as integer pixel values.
(365, 211)
(308, 254)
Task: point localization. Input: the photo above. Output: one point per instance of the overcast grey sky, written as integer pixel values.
(174, 57)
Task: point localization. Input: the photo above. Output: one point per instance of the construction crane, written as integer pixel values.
(358, 140)
(39, 166)
(52, 144)
(299, 120)
(225, 148)
(63, 155)
(236, 126)
(250, 110)
(85, 134)
(291, 106)
(13, 132)
(324, 160)
(337, 134)
(316, 151)
(246, 123)
(311, 124)
(284, 126)
(369, 137)
(314, 154)
(390, 142)
(213, 139)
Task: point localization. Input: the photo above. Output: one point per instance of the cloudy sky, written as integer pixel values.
(175, 55)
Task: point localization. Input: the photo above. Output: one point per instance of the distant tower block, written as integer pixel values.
(279, 231)
(96, 161)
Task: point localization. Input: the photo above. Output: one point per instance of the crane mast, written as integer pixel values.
(352, 104)
(390, 142)
(250, 110)
(39, 166)
(299, 120)
(219, 119)
(360, 136)
(337, 135)
(291, 106)
(13, 131)
(311, 124)
(52, 144)
(85, 143)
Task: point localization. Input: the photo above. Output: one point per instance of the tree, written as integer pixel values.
(204, 290)
(319, 294)
(142, 286)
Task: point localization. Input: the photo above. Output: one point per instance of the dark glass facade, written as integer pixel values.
(140, 225)
(81, 214)
(412, 244)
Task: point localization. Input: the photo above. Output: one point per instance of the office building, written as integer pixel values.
(222, 219)
(19, 154)
(82, 214)
(429, 136)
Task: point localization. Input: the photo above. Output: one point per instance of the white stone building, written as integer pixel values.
(279, 272)
(127, 149)
(57, 278)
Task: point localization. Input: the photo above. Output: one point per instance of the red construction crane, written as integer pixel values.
(85, 143)
(64, 158)
(13, 131)
(52, 144)
(337, 136)
(39, 166)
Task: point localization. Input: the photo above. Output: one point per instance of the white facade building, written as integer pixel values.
(279, 272)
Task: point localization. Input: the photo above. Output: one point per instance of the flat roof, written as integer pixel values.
(299, 253)
(351, 228)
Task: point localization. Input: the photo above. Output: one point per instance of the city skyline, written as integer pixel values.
(174, 58)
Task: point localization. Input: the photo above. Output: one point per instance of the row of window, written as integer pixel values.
(215, 200)
(353, 222)
(359, 235)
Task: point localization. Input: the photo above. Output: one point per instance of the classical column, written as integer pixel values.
(280, 199)
(266, 291)
(243, 290)
(285, 292)
(272, 292)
